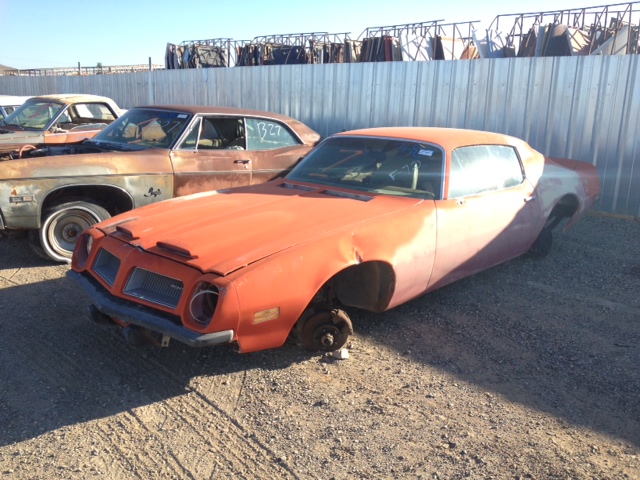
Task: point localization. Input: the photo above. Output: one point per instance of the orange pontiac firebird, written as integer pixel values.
(369, 219)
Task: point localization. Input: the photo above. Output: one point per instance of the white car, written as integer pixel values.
(8, 103)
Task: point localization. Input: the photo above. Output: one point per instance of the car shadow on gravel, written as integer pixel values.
(16, 254)
(61, 369)
(559, 335)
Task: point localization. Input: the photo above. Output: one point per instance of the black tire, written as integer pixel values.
(542, 246)
(33, 237)
(327, 330)
(61, 226)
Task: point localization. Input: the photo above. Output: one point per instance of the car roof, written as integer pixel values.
(209, 109)
(69, 98)
(449, 138)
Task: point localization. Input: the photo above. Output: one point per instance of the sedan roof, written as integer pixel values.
(69, 98)
(210, 109)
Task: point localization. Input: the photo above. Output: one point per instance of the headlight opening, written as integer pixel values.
(204, 302)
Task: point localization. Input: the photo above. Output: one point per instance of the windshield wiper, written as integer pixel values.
(104, 144)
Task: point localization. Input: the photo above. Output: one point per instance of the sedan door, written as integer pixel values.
(212, 156)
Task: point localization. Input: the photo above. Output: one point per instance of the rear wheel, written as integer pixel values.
(326, 330)
(62, 225)
(542, 246)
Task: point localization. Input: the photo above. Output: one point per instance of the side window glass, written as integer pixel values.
(263, 134)
(483, 168)
(95, 112)
(507, 166)
(65, 117)
(216, 133)
(191, 140)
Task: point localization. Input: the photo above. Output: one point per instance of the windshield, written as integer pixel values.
(377, 165)
(145, 128)
(34, 115)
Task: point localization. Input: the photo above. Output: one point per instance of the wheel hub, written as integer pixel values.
(70, 232)
(327, 339)
(325, 330)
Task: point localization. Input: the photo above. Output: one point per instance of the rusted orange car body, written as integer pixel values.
(55, 119)
(370, 219)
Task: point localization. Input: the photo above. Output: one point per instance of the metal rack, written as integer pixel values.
(300, 48)
(422, 29)
(301, 39)
(220, 52)
(598, 23)
(441, 40)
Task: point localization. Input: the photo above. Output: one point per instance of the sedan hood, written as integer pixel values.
(223, 231)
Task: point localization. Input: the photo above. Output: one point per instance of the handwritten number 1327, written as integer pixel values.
(268, 129)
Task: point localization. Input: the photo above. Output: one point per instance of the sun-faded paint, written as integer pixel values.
(274, 247)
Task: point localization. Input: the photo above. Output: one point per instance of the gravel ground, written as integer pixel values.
(528, 370)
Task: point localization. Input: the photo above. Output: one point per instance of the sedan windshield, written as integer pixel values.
(145, 128)
(34, 115)
(377, 165)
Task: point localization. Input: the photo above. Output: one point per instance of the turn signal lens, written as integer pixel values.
(266, 315)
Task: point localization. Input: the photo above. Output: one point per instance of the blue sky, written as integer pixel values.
(61, 33)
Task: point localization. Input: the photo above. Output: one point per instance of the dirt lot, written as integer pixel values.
(529, 370)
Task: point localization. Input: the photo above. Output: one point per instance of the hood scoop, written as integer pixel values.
(175, 250)
(125, 233)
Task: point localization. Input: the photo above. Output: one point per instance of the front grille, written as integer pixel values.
(154, 288)
(107, 265)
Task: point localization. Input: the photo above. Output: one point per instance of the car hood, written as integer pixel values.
(223, 231)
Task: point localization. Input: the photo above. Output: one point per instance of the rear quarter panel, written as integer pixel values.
(563, 177)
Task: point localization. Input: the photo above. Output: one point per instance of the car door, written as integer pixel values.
(212, 156)
(275, 150)
(488, 216)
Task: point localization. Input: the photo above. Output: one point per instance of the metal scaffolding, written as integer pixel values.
(598, 24)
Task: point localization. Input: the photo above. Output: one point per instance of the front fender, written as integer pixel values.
(286, 283)
(289, 280)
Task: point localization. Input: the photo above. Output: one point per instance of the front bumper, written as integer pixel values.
(144, 317)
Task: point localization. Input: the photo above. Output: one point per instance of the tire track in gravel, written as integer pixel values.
(198, 422)
(235, 442)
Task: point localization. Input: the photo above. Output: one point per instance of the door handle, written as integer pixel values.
(243, 162)
(529, 199)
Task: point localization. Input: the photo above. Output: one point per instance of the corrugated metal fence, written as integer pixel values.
(586, 108)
